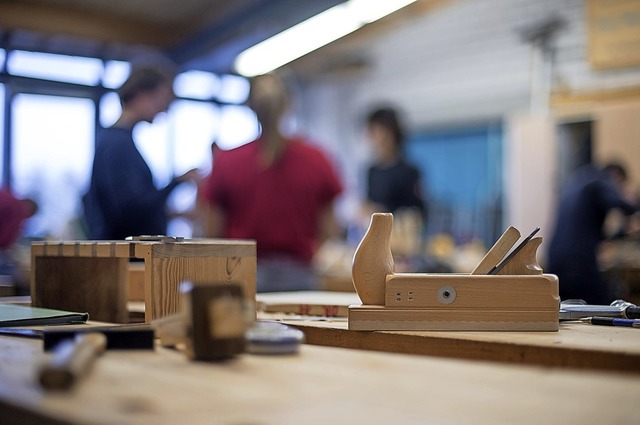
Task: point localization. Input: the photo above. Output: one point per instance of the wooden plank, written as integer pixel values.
(575, 345)
(205, 248)
(162, 297)
(94, 285)
(83, 23)
(318, 303)
(319, 386)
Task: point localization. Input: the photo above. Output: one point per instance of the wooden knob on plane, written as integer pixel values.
(373, 261)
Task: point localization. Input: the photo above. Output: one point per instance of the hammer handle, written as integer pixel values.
(632, 312)
(71, 360)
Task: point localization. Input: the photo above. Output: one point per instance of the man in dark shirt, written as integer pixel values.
(122, 199)
(584, 203)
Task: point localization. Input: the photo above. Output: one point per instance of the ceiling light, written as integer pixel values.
(312, 34)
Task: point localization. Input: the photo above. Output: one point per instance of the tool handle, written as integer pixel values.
(614, 321)
(71, 360)
(632, 312)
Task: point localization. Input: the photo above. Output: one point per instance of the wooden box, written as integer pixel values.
(93, 276)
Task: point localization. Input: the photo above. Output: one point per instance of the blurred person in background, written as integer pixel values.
(122, 199)
(393, 183)
(13, 213)
(589, 195)
(278, 190)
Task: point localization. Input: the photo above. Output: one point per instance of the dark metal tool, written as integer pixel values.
(579, 309)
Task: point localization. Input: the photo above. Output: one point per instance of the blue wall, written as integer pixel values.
(462, 179)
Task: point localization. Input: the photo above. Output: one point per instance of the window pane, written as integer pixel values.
(238, 126)
(72, 69)
(110, 109)
(152, 140)
(196, 85)
(234, 89)
(51, 161)
(195, 126)
(115, 74)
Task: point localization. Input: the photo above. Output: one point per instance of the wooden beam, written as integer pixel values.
(15, 14)
(567, 104)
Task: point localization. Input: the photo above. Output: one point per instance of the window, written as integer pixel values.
(115, 73)
(52, 153)
(197, 85)
(462, 180)
(53, 137)
(48, 66)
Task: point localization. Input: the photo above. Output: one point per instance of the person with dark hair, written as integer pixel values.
(122, 199)
(590, 194)
(392, 182)
(278, 190)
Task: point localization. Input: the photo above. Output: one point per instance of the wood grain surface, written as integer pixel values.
(320, 385)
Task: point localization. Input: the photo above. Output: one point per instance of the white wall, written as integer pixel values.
(463, 63)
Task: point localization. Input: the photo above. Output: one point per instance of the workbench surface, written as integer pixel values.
(319, 385)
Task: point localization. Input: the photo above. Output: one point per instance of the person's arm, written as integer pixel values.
(329, 227)
(612, 198)
(211, 200)
(213, 218)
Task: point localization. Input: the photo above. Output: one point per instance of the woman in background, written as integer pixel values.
(392, 182)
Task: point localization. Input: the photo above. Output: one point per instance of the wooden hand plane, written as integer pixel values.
(514, 295)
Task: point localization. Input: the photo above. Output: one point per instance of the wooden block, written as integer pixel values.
(380, 318)
(215, 320)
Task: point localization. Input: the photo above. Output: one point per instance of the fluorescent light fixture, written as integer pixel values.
(312, 34)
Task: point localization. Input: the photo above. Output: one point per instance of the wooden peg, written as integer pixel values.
(497, 251)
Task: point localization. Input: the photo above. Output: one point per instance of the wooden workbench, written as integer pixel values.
(575, 345)
(320, 385)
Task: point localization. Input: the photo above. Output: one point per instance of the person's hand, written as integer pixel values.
(191, 175)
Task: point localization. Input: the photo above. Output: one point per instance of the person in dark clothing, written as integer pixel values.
(573, 252)
(392, 182)
(122, 199)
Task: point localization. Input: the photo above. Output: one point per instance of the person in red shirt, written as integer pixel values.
(277, 190)
(13, 213)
